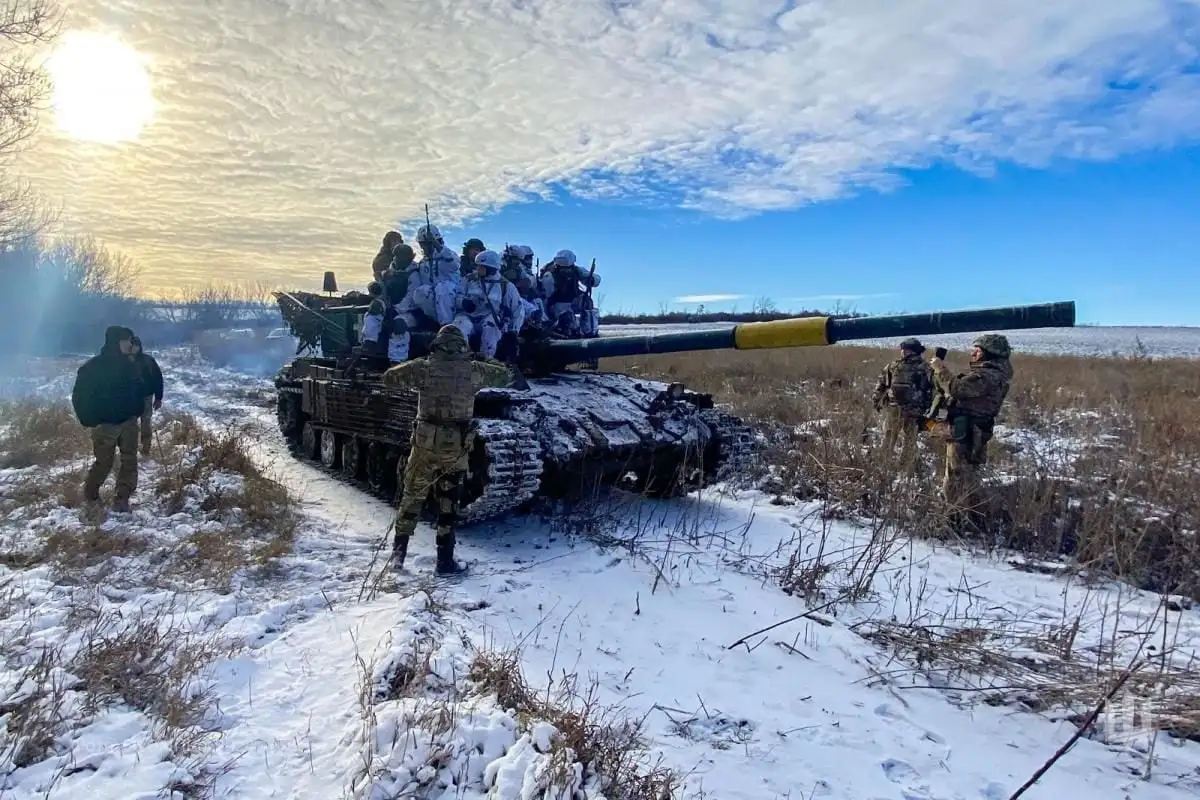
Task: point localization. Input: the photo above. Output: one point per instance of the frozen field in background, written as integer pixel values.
(1084, 341)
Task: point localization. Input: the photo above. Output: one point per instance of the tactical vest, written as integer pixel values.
(909, 384)
(447, 393)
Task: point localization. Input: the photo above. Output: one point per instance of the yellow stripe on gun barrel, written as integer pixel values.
(803, 332)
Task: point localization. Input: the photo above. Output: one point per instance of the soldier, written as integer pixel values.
(903, 394)
(973, 399)
(152, 381)
(471, 248)
(108, 398)
(384, 257)
(395, 277)
(446, 382)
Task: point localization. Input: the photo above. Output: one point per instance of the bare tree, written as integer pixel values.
(25, 25)
(81, 266)
(219, 305)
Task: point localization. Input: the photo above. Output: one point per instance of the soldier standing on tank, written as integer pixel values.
(446, 382)
(903, 394)
(973, 399)
(108, 398)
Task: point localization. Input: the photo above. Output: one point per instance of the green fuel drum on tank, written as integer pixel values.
(817, 331)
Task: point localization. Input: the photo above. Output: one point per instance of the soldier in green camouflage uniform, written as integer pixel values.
(973, 400)
(446, 381)
(903, 394)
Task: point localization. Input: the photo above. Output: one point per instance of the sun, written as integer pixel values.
(102, 91)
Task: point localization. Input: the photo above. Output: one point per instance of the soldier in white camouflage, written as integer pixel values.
(446, 382)
(973, 399)
(903, 394)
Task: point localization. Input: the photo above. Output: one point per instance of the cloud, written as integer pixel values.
(709, 298)
(290, 133)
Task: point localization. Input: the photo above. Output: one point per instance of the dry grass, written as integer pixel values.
(1100, 462)
(40, 434)
(151, 659)
(606, 740)
(258, 516)
(422, 701)
(107, 658)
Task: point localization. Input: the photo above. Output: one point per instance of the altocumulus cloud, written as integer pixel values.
(290, 134)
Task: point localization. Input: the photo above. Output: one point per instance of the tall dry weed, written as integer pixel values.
(1096, 458)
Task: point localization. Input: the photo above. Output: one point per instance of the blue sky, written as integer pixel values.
(694, 147)
(1121, 238)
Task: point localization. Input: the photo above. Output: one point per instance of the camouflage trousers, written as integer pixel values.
(145, 424)
(106, 440)
(897, 426)
(962, 489)
(437, 463)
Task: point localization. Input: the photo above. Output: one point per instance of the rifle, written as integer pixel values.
(429, 256)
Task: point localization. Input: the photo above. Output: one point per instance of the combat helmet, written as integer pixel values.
(994, 344)
(449, 343)
(913, 344)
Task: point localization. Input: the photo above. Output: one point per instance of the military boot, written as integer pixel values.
(399, 551)
(446, 565)
(121, 505)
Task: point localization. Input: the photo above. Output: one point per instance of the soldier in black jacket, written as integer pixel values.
(108, 398)
(152, 383)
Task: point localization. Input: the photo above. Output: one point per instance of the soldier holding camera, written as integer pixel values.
(972, 400)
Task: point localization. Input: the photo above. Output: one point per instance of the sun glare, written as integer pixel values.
(102, 90)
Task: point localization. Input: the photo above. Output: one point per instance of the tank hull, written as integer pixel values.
(564, 436)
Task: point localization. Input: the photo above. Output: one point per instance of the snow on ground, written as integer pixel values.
(1163, 342)
(331, 694)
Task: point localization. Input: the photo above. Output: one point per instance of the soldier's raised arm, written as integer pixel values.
(491, 374)
(409, 375)
(963, 385)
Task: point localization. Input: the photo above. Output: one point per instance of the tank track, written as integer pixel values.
(737, 446)
(513, 470)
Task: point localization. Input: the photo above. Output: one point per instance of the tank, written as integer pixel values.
(559, 432)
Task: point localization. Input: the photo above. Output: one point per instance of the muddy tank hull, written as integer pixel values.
(566, 436)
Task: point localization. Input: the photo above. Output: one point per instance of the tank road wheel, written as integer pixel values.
(291, 418)
(310, 442)
(331, 450)
(382, 462)
(353, 455)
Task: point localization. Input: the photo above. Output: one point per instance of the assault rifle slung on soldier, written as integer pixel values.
(569, 431)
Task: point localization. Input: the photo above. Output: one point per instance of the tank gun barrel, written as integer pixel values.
(817, 331)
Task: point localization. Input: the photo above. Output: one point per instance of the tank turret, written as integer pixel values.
(563, 432)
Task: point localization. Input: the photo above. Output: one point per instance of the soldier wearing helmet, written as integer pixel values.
(434, 282)
(446, 382)
(903, 394)
(490, 306)
(973, 399)
(567, 303)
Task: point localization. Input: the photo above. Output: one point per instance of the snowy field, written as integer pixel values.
(316, 697)
(1080, 341)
